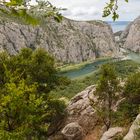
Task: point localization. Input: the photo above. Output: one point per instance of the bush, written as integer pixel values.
(26, 108)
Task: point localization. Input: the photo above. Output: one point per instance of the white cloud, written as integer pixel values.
(92, 9)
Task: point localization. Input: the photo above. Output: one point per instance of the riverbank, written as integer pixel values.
(83, 69)
(71, 67)
(88, 68)
(79, 83)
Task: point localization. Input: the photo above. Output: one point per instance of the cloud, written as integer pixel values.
(92, 9)
(82, 12)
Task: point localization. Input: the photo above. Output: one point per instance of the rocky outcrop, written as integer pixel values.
(112, 133)
(130, 38)
(69, 41)
(81, 117)
(82, 121)
(134, 131)
(73, 131)
(80, 110)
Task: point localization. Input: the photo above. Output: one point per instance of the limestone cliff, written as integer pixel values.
(131, 36)
(69, 41)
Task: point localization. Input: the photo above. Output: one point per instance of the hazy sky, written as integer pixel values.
(92, 9)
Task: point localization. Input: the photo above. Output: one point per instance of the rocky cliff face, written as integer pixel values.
(130, 37)
(69, 41)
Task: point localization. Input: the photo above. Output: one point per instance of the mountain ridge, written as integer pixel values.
(69, 41)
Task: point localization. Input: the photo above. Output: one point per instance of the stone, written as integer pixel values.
(80, 110)
(111, 133)
(73, 131)
(131, 135)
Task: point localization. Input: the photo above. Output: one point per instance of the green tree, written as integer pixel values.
(33, 66)
(106, 92)
(26, 108)
(132, 89)
(129, 109)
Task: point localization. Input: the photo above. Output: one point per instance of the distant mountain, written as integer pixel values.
(118, 25)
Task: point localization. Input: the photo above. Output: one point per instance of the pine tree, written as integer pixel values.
(106, 91)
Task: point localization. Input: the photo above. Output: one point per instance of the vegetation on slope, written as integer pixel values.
(26, 108)
(123, 69)
(32, 93)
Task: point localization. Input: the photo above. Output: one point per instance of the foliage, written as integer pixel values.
(126, 113)
(75, 86)
(106, 92)
(129, 108)
(31, 14)
(132, 88)
(25, 12)
(35, 66)
(126, 67)
(71, 88)
(111, 9)
(26, 108)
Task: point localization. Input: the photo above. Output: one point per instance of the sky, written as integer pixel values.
(92, 9)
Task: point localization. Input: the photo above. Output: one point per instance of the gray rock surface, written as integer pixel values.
(131, 36)
(111, 133)
(69, 41)
(80, 110)
(134, 130)
(81, 118)
(73, 131)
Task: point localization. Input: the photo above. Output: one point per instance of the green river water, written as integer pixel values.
(92, 67)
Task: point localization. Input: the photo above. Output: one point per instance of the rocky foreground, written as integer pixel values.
(82, 122)
(68, 41)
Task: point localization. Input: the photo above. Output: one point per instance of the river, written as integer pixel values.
(133, 56)
(92, 67)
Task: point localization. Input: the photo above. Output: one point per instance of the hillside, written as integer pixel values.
(68, 41)
(130, 37)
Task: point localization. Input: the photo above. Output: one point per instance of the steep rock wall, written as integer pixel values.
(68, 41)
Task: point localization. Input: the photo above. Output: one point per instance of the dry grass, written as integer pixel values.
(95, 134)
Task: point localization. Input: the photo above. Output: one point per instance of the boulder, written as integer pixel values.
(80, 110)
(73, 131)
(81, 118)
(111, 133)
(134, 129)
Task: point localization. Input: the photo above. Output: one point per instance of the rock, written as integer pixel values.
(68, 41)
(81, 118)
(80, 110)
(111, 133)
(131, 36)
(73, 131)
(132, 134)
(117, 36)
